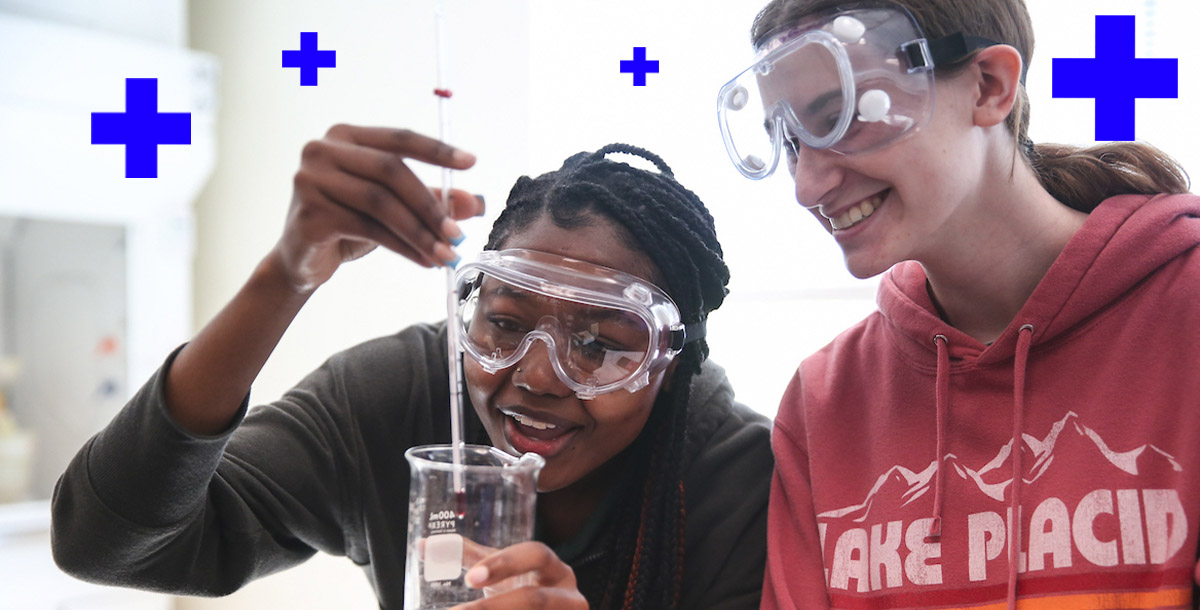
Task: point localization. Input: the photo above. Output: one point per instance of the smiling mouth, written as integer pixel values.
(859, 212)
(530, 422)
(527, 434)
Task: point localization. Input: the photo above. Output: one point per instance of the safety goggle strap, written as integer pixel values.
(945, 50)
(689, 333)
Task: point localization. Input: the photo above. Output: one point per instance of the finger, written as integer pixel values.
(319, 218)
(389, 172)
(473, 552)
(407, 143)
(349, 224)
(379, 204)
(531, 598)
(519, 559)
(463, 205)
(378, 234)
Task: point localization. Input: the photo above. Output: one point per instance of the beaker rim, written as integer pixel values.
(422, 454)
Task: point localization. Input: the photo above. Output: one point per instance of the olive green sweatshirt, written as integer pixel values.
(147, 504)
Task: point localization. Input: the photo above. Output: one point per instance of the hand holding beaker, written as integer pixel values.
(552, 580)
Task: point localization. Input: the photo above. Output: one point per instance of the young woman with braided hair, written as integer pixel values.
(1017, 425)
(646, 539)
(655, 486)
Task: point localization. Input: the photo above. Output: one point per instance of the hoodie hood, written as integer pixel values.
(1124, 240)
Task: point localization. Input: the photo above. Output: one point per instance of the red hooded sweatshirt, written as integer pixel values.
(896, 478)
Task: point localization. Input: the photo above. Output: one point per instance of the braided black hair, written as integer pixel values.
(670, 225)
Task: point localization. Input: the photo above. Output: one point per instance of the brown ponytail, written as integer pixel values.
(1083, 177)
(1078, 177)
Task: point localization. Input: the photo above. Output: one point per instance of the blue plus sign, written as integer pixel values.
(1115, 78)
(639, 66)
(141, 128)
(308, 59)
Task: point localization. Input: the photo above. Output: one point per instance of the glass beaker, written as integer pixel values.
(448, 532)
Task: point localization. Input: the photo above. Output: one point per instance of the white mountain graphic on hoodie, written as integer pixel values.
(1068, 440)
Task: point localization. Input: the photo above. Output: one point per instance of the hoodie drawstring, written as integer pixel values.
(1020, 359)
(941, 397)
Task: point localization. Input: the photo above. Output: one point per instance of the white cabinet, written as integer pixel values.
(95, 268)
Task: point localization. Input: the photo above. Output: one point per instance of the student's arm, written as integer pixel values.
(795, 576)
(153, 500)
(352, 193)
(151, 505)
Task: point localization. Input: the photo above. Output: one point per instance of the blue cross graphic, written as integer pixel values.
(308, 59)
(141, 128)
(1115, 78)
(639, 66)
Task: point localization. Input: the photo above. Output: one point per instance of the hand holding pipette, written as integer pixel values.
(354, 191)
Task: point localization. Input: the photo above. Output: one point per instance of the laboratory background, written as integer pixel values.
(102, 275)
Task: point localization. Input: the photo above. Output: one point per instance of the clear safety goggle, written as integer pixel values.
(602, 329)
(849, 80)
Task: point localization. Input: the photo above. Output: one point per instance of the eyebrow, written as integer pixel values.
(597, 312)
(821, 101)
(504, 290)
(620, 317)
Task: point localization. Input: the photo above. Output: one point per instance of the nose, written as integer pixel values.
(535, 373)
(816, 173)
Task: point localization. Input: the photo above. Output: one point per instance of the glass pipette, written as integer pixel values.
(454, 358)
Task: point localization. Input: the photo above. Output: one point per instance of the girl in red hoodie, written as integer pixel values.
(1018, 423)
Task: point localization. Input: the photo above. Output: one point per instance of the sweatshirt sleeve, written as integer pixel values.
(795, 575)
(730, 555)
(147, 504)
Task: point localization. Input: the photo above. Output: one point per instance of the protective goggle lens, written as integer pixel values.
(847, 82)
(590, 345)
(820, 106)
(762, 107)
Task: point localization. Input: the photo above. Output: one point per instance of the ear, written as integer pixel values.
(998, 71)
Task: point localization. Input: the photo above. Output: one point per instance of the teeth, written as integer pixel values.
(529, 421)
(857, 213)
